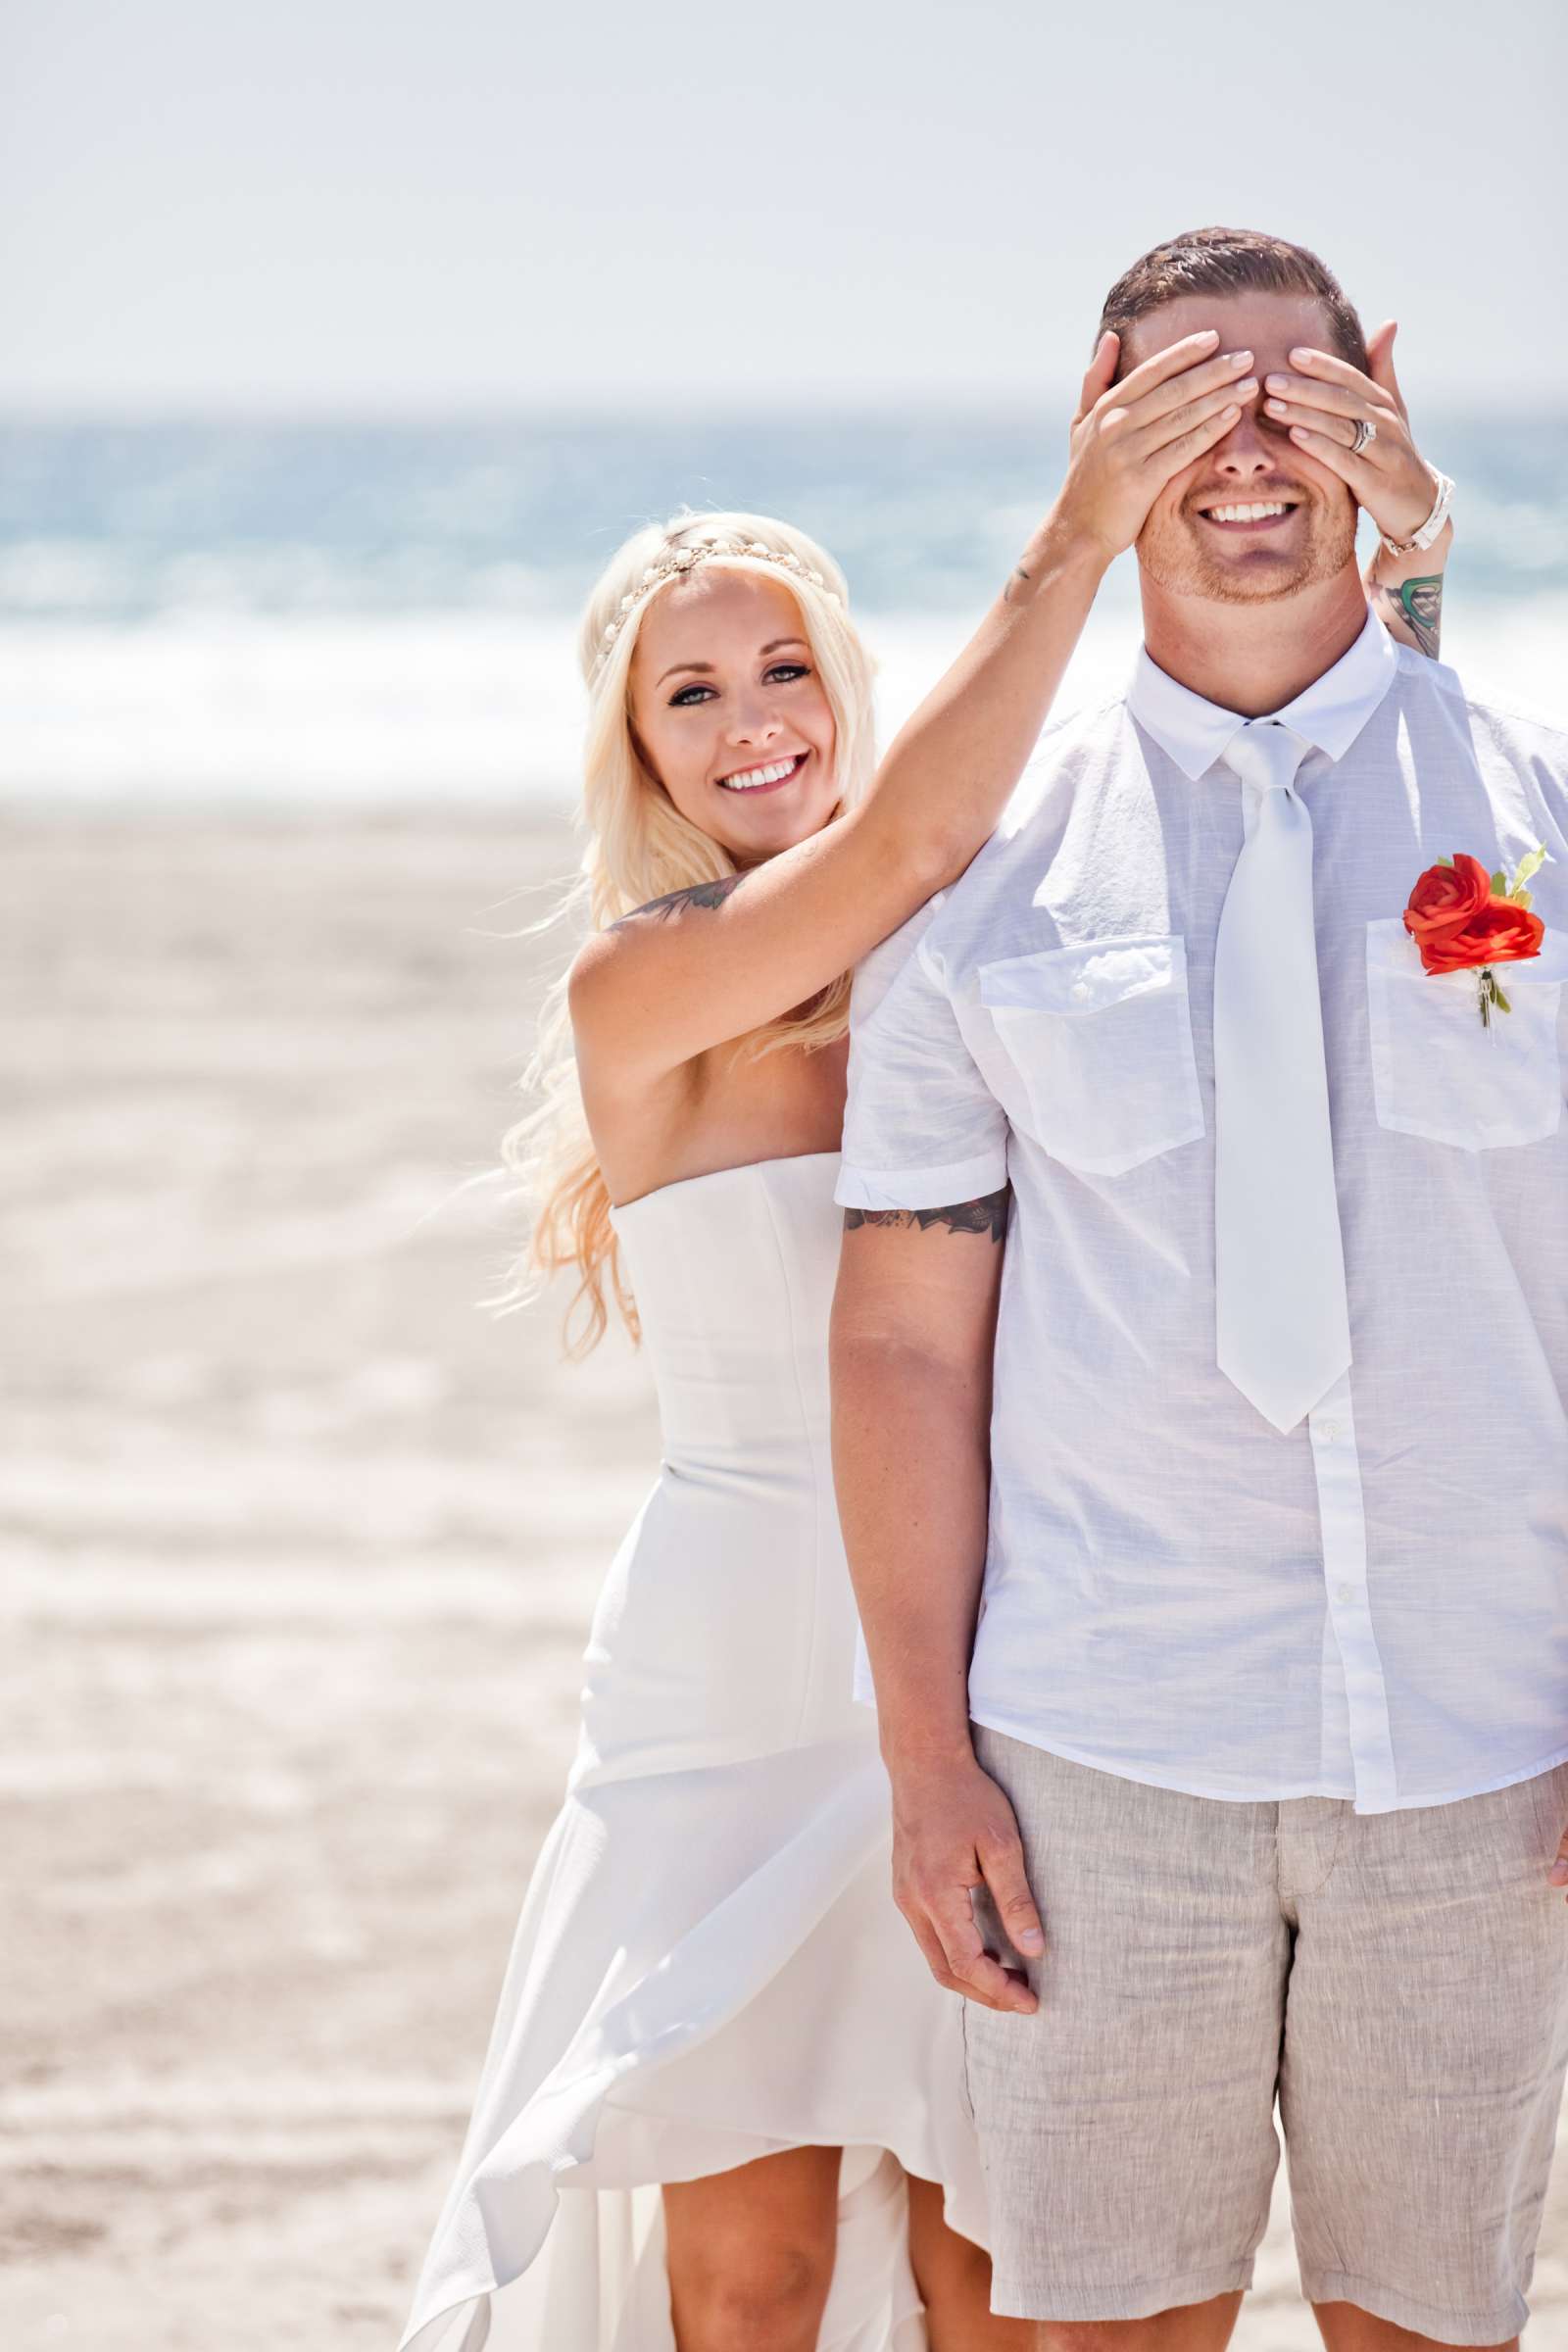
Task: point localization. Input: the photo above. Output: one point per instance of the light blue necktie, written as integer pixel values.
(1283, 1327)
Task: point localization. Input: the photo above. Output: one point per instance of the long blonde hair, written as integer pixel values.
(639, 846)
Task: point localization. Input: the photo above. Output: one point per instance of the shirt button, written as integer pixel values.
(1344, 1592)
(1328, 1431)
(1080, 988)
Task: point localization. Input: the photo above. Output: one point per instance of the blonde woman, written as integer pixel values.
(722, 2108)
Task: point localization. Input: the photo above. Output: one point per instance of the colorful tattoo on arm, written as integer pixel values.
(1419, 605)
(988, 1214)
(700, 893)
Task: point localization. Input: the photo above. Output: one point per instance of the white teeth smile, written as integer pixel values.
(1246, 513)
(751, 779)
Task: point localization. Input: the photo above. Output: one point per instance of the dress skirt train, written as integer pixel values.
(763, 1995)
(708, 1966)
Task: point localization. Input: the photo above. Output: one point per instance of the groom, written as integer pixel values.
(1176, 1179)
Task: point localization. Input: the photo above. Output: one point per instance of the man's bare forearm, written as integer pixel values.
(912, 1473)
(915, 1322)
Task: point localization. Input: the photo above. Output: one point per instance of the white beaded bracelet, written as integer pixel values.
(1431, 525)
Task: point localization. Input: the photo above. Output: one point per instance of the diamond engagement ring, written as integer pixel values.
(1366, 432)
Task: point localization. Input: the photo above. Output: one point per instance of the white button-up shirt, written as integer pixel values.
(1373, 1606)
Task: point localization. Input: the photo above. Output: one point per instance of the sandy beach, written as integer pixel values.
(299, 1547)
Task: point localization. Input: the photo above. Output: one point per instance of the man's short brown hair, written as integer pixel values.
(1227, 260)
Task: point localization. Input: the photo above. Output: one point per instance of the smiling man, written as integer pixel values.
(1258, 525)
(1215, 1584)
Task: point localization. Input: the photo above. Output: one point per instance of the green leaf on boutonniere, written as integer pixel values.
(1500, 882)
(1526, 871)
(1444, 861)
(1499, 1000)
(1520, 898)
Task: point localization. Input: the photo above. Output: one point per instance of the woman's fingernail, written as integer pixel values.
(1277, 383)
(1238, 359)
(1276, 407)
(1030, 1939)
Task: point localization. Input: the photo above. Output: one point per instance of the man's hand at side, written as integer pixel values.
(953, 1831)
(913, 1328)
(1558, 1876)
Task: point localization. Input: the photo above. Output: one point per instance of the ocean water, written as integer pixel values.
(346, 614)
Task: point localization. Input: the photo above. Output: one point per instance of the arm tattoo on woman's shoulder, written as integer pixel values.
(700, 893)
(1419, 605)
(989, 1214)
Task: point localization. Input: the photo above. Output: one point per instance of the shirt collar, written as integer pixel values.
(1330, 712)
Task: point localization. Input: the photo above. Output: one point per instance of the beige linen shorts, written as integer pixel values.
(1399, 1980)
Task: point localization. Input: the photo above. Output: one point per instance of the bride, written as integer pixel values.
(722, 2107)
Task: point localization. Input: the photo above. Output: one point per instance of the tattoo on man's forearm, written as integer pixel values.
(700, 893)
(985, 1215)
(1018, 577)
(1419, 605)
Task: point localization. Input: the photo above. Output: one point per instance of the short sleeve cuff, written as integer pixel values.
(921, 1188)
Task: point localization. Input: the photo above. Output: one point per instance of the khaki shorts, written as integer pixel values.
(1398, 1979)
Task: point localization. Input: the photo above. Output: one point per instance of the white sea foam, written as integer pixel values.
(351, 614)
(345, 711)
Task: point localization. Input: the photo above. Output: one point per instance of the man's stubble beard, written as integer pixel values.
(1174, 561)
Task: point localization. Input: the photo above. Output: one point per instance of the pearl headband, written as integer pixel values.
(678, 561)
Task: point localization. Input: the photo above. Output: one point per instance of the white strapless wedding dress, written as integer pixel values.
(708, 1966)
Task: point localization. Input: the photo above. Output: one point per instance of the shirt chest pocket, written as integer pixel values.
(1099, 1039)
(1437, 1072)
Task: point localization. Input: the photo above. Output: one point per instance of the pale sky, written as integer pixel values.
(368, 205)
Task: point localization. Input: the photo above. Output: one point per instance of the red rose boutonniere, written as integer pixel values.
(1464, 919)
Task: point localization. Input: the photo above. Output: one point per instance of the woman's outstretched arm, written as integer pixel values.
(713, 963)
